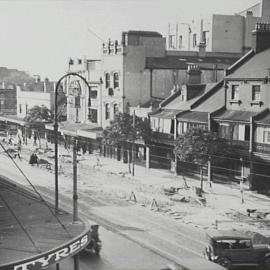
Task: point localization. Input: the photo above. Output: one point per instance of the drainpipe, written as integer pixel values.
(251, 141)
(174, 137)
(151, 83)
(209, 167)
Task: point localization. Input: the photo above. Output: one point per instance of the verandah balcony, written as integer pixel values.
(263, 148)
(161, 137)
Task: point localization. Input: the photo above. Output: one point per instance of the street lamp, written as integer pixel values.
(75, 195)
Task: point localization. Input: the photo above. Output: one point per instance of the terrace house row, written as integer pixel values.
(136, 71)
(236, 107)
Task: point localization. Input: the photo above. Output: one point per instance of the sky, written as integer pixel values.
(39, 36)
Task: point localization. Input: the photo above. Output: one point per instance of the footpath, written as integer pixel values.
(148, 216)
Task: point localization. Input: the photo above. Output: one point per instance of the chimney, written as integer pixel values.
(202, 49)
(193, 74)
(37, 78)
(261, 37)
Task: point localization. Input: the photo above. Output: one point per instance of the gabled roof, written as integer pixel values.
(182, 62)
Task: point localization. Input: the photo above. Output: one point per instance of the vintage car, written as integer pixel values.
(234, 248)
(94, 245)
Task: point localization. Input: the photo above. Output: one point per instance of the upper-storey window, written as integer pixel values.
(235, 92)
(107, 80)
(194, 40)
(115, 80)
(256, 92)
(107, 111)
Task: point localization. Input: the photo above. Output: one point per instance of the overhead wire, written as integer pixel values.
(36, 191)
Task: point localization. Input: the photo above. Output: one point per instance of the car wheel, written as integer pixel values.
(225, 262)
(267, 263)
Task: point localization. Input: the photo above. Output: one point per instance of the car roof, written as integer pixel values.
(227, 234)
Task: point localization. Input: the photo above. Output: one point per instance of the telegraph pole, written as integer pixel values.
(75, 186)
(133, 143)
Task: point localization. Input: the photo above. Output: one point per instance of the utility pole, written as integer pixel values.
(133, 143)
(56, 206)
(75, 188)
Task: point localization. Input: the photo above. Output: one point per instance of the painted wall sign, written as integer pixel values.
(54, 256)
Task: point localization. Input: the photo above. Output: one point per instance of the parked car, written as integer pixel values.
(234, 248)
(94, 245)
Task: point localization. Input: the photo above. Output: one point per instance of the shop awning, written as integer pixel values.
(78, 129)
(195, 117)
(13, 119)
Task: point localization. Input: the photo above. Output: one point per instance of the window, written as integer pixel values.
(93, 94)
(110, 92)
(77, 102)
(266, 136)
(115, 80)
(256, 92)
(107, 111)
(92, 115)
(235, 92)
(20, 108)
(26, 108)
(107, 80)
(180, 42)
(115, 108)
(194, 40)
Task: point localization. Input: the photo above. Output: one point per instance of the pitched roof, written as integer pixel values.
(182, 62)
(144, 33)
(234, 115)
(256, 66)
(165, 114)
(154, 102)
(193, 116)
(178, 104)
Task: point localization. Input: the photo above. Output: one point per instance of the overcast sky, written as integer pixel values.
(39, 36)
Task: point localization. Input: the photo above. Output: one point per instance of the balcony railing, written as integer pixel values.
(261, 148)
(240, 145)
(162, 137)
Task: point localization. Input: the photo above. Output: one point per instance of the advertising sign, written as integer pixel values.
(53, 256)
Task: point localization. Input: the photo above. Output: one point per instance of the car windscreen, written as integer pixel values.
(233, 243)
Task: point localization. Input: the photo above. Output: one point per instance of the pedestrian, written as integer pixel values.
(33, 159)
(19, 149)
(242, 190)
(35, 139)
(10, 140)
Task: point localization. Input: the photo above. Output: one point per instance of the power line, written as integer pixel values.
(36, 191)
(94, 34)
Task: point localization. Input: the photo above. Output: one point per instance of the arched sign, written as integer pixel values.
(74, 88)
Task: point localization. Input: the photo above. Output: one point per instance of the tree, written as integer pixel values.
(198, 146)
(125, 129)
(37, 116)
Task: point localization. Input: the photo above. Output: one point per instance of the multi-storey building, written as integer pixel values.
(236, 107)
(220, 33)
(245, 117)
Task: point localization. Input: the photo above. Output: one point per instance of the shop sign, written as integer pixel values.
(54, 256)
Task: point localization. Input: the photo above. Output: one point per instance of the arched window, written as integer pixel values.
(107, 80)
(115, 80)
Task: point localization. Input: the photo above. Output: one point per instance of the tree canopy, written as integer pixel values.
(122, 129)
(198, 145)
(38, 114)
